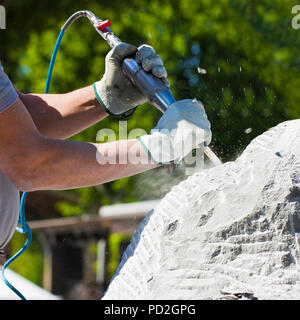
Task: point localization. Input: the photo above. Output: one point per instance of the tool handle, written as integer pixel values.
(153, 88)
(157, 93)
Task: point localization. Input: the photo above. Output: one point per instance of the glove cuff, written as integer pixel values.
(97, 90)
(105, 104)
(158, 147)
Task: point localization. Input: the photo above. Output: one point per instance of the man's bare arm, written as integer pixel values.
(60, 116)
(34, 162)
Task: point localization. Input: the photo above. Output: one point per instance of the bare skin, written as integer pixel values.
(34, 158)
(60, 116)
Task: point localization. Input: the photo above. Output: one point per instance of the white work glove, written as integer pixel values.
(117, 95)
(182, 128)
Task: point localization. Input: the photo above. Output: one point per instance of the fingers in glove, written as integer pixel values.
(122, 51)
(166, 81)
(150, 62)
(147, 56)
(159, 71)
(143, 52)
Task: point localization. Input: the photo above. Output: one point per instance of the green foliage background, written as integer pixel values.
(249, 50)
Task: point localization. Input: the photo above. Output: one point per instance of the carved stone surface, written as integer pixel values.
(229, 232)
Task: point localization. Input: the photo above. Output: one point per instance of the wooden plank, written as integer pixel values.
(67, 224)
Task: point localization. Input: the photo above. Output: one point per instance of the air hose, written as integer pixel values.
(24, 228)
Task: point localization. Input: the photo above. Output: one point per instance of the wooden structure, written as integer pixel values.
(68, 258)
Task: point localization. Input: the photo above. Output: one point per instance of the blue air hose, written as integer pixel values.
(25, 229)
(51, 65)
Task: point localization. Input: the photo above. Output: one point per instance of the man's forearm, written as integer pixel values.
(60, 116)
(61, 165)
